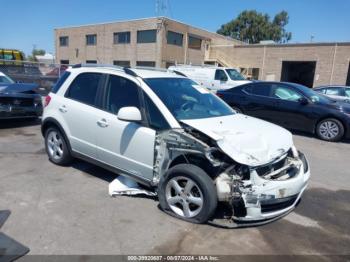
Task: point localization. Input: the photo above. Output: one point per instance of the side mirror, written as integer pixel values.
(130, 114)
(303, 101)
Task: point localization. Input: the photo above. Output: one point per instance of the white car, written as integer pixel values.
(173, 136)
(211, 77)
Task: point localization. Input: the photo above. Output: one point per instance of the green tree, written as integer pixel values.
(253, 27)
(36, 52)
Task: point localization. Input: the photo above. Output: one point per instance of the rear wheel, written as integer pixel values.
(330, 129)
(56, 147)
(188, 193)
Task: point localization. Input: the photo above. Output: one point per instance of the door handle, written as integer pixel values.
(63, 109)
(102, 123)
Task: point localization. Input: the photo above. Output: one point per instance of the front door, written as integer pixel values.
(124, 145)
(289, 111)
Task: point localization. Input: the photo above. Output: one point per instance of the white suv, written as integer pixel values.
(169, 134)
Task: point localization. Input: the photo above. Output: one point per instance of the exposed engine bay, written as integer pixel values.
(250, 194)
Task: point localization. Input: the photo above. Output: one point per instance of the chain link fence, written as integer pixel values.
(43, 74)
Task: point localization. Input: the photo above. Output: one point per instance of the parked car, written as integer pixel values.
(168, 133)
(211, 77)
(338, 92)
(18, 100)
(292, 106)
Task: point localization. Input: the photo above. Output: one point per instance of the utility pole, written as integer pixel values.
(162, 8)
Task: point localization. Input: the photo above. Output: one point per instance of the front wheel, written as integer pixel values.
(188, 193)
(330, 129)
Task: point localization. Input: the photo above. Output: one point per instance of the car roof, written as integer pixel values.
(331, 86)
(143, 72)
(154, 73)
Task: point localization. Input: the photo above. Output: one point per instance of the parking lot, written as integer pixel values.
(67, 210)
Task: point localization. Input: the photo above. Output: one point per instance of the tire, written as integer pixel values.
(330, 129)
(56, 147)
(195, 203)
(237, 109)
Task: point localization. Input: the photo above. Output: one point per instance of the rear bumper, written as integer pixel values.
(12, 111)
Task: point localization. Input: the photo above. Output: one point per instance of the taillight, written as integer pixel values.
(220, 95)
(47, 100)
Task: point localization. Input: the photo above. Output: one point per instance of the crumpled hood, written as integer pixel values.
(247, 140)
(17, 88)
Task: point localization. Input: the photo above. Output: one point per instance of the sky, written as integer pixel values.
(28, 23)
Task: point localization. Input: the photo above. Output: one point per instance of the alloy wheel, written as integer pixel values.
(184, 197)
(328, 130)
(55, 145)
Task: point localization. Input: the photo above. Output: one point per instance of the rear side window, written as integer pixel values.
(121, 92)
(84, 88)
(60, 82)
(259, 90)
(155, 117)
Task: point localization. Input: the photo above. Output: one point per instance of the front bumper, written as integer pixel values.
(270, 199)
(13, 111)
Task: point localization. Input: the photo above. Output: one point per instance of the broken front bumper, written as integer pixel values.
(269, 199)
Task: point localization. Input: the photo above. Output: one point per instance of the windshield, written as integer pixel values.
(234, 75)
(5, 80)
(187, 100)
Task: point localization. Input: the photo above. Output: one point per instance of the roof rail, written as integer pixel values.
(151, 68)
(97, 65)
(127, 70)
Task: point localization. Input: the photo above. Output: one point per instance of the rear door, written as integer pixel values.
(80, 111)
(258, 102)
(125, 145)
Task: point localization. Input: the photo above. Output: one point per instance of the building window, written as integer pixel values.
(146, 63)
(64, 62)
(121, 63)
(174, 38)
(121, 38)
(194, 42)
(91, 61)
(64, 40)
(147, 36)
(91, 39)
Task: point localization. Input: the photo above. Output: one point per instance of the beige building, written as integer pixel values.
(312, 64)
(156, 42)
(161, 42)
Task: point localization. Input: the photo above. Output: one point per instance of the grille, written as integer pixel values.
(264, 170)
(277, 204)
(16, 101)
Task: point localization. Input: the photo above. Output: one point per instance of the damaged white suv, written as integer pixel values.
(173, 136)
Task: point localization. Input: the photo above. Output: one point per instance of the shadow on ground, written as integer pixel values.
(328, 234)
(18, 123)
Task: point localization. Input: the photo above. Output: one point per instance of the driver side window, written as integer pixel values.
(121, 92)
(285, 93)
(220, 75)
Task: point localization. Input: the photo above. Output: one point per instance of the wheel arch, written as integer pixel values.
(197, 160)
(51, 122)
